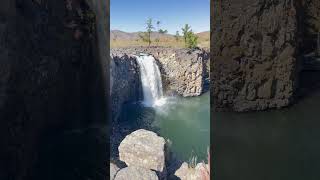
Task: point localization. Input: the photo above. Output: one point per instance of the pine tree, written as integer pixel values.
(146, 36)
(185, 32)
(190, 39)
(149, 29)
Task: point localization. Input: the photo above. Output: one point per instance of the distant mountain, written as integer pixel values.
(204, 35)
(121, 35)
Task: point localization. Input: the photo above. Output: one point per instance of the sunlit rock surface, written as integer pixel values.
(144, 149)
(113, 171)
(195, 173)
(136, 173)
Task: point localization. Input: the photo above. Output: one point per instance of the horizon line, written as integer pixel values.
(152, 31)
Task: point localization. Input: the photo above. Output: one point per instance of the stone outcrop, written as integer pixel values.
(52, 80)
(136, 173)
(125, 82)
(113, 171)
(184, 72)
(254, 51)
(144, 149)
(197, 173)
(144, 154)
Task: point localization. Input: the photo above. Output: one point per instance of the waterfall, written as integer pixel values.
(151, 80)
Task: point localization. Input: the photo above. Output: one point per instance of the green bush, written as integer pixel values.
(190, 39)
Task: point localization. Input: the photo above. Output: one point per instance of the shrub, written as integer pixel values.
(190, 39)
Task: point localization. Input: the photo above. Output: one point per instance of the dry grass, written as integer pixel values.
(128, 43)
(203, 42)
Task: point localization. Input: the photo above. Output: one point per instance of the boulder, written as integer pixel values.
(197, 173)
(144, 149)
(113, 171)
(136, 173)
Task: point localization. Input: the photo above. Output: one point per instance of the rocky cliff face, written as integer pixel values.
(125, 82)
(185, 72)
(254, 52)
(52, 80)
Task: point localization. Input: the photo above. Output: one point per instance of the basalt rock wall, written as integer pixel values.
(254, 46)
(125, 82)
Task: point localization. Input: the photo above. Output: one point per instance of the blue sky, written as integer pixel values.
(130, 15)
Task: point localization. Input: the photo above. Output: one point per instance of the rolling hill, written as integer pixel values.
(128, 39)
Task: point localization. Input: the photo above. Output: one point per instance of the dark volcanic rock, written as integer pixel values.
(254, 47)
(125, 82)
(52, 80)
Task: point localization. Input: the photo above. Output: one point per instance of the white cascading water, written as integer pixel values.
(151, 81)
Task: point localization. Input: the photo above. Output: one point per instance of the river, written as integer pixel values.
(275, 144)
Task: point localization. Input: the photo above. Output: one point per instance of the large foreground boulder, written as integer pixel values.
(136, 173)
(144, 149)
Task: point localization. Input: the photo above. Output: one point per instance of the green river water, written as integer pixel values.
(184, 121)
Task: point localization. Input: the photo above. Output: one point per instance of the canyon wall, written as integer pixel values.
(184, 72)
(125, 82)
(254, 48)
(52, 80)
